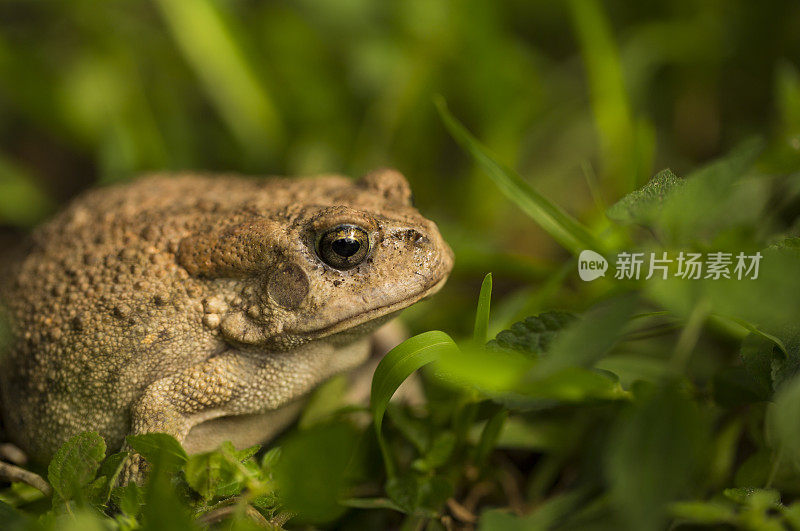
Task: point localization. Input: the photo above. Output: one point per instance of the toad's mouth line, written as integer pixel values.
(372, 314)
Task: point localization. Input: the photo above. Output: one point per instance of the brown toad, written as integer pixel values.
(204, 307)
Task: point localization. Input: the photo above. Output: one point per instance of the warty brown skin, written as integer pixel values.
(172, 301)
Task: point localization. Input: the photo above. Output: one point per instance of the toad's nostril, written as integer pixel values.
(412, 236)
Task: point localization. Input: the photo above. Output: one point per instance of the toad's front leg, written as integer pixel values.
(233, 383)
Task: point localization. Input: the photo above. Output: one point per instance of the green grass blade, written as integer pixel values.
(565, 229)
(394, 368)
(613, 117)
(482, 314)
(215, 54)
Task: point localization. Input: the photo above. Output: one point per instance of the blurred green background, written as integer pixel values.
(586, 99)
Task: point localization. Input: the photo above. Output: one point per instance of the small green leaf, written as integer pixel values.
(489, 436)
(754, 472)
(641, 206)
(703, 513)
(324, 401)
(565, 229)
(404, 492)
(75, 464)
(440, 451)
(544, 516)
(419, 495)
(758, 355)
(159, 448)
(270, 458)
(372, 503)
(395, 367)
(415, 430)
(482, 313)
(434, 492)
(207, 471)
(109, 471)
(735, 386)
(756, 498)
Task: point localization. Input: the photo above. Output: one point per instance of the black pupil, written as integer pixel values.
(345, 247)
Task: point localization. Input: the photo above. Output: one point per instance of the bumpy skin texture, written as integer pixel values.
(175, 300)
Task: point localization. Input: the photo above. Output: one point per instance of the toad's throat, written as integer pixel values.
(353, 322)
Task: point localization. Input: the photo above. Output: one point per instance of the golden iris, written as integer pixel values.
(344, 246)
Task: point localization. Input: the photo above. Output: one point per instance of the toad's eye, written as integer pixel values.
(343, 247)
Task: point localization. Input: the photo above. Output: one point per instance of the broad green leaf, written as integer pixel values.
(784, 419)
(164, 506)
(571, 385)
(654, 454)
(311, 471)
(588, 339)
(632, 367)
(325, 400)
(75, 464)
(792, 515)
(482, 313)
(534, 334)
(485, 370)
(544, 516)
(771, 360)
(753, 329)
(159, 449)
(395, 367)
(715, 199)
(766, 303)
(786, 366)
(565, 229)
(539, 435)
(642, 206)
